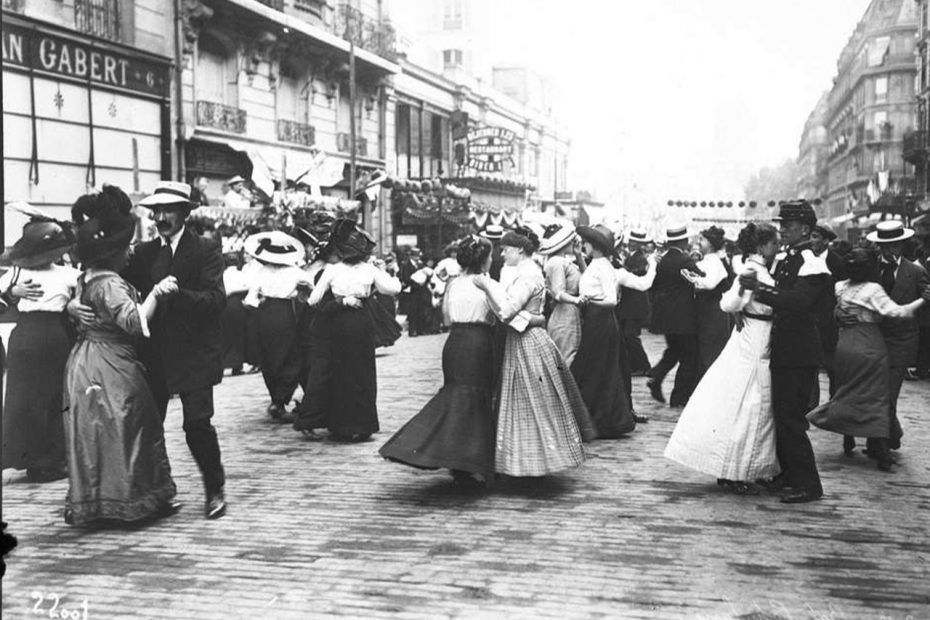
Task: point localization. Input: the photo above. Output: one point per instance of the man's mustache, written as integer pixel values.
(162, 225)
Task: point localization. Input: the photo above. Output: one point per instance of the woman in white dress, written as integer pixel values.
(727, 429)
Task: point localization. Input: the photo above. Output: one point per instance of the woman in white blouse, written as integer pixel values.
(33, 435)
(596, 367)
(342, 387)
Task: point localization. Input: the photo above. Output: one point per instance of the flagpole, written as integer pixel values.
(351, 29)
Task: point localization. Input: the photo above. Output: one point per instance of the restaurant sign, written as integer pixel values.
(30, 48)
(489, 148)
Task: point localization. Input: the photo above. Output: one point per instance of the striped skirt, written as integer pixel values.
(542, 418)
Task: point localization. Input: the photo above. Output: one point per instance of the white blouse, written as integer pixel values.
(274, 281)
(714, 271)
(354, 281)
(599, 281)
(733, 301)
(466, 303)
(58, 284)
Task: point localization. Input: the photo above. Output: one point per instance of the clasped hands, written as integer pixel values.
(166, 287)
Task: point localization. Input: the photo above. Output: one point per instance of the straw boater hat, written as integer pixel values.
(889, 232)
(43, 242)
(493, 232)
(676, 232)
(639, 236)
(275, 247)
(556, 236)
(169, 193)
(599, 236)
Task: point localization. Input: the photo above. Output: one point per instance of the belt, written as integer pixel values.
(758, 317)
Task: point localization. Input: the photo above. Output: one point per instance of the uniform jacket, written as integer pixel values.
(185, 345)
(673, 309)
(902, 335)
(802, 281)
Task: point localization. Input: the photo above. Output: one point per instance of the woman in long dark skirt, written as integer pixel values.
(33, 435)
(342, 387)
(596, 367)
(456, 429)
(861, 405)
(233, 319)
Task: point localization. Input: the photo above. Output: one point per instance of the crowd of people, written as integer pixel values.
(544, 341)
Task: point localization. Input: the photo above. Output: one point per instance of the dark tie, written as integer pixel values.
(161, 268)
(888, 277)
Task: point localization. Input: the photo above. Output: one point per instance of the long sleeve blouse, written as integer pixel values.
(358, 280)
(599, 282)
(734, 300)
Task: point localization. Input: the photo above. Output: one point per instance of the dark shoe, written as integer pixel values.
(640, 419)
(216, 505)
(849, 445)
(235, 372)
(168, 510)
(69, 516)
(46, 474)
(655, 390)
(885, 463)
(468, 480)
(287, 417)
(275, 411)
(800, 496)
(361, 437)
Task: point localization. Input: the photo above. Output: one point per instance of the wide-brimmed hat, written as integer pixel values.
(235, 179)
(599, 236)
(825, 231)
(796, 210)
(715, 235)
(350, 240)
(677, 232)
(889, 232)
(43, 242)
(169, 193)
(556, 236)
(493, 232)
(100, 238)
(275, 247)
(639, 236)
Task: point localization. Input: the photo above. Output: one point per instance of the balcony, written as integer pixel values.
(367, 33)
(343, 145)
(277, 5)
(296, 133)
(100, 18)
(915, 147)
(220, 116)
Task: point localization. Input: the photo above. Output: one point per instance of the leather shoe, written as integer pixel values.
(216, 505)
(849, 445)
(800, 496)
(640, 419)
(168, 510)
(655, 390)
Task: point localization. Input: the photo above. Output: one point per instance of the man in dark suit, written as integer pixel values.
(494, 233)
(904, 281)
(821, 236)
(635, 309)
(800, 280)
(674, 315)
(184, 354)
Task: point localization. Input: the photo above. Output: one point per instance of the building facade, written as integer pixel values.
(917, 142)
(869, 110)
(86, 99)
(813, 153)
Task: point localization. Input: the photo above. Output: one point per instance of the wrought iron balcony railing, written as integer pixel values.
(344, 145)
(98, 17)
(367, 33)
(296, 133)
(220, 116)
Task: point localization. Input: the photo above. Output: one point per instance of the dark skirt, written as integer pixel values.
(713, 330)
(596, 369)
(33, 431)
(387, 330)
(280, 356)
(342, 387)
(233, 322)
(861, 406)
(456, 428)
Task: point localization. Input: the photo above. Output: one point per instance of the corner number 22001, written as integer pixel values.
(56, 609)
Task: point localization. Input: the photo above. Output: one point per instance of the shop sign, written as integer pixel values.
(30, 48)
(489, 148)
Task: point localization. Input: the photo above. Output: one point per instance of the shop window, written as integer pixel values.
(216, 74)
(402, 139)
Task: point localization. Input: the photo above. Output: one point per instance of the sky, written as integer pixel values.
(681, 99)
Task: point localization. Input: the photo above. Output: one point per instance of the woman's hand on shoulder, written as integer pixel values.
(27, 289)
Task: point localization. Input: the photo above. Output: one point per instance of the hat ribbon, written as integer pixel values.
(175, 192)
(890, 234)
(265, 245)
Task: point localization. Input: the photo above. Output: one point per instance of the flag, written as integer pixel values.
(261, 174)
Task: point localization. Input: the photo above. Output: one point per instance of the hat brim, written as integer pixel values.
(293, 258)
(29, 261)
(635, 240)
(906, 233)
(159, 200)
(680, 237)
(492, 236)
(596, 239)
(557, 245)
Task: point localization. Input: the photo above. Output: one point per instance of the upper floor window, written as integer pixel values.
(216, 74)
(291, 95)
(881, 89)
(98, 17)
(452, 14)
(451, 59)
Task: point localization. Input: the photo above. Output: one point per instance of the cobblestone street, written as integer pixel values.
(320, 529)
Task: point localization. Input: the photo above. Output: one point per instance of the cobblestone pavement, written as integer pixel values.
(318, 529)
